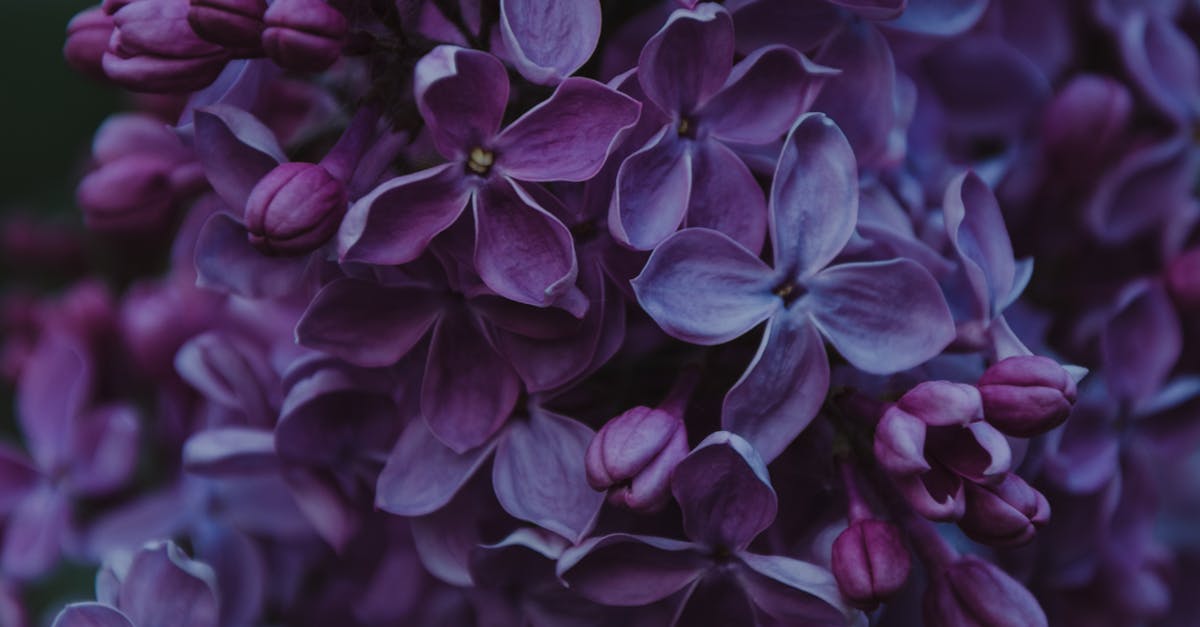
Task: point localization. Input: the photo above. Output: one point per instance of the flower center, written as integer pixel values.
(480, 160)
(686, 128)
(789, 291)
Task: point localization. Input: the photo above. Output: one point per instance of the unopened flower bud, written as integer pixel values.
(303, 35)
(971, 591)
(1006, 514)
(130, 194)
(870, 562)
(632, 457)
(941, 403)
(234, 24)
(1084, 122)
(1026, 395)
(154, 49)
(87, 39)
(294, 209)
(1183, 280)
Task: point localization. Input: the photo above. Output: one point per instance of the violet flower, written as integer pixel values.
(703, 287)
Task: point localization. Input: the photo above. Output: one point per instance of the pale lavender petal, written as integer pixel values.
(764, 95)
(539, 474)
(106, 449)
(469, 390)
(164, 587)
(704, 288)
(422, 474)
(860, 99)
(725, 493)
(652, 192)
(226, 261)
(882, 316)
(522, 251)
(231, 372)
(230, 451)
(236, 151)
(549, 39)
(782, 388)
(396, 221)
(90, 615)
(793, 591)
(688, 60)
(35, 534)
(629, 570)
(941, 18)
(54, 386)
(977, 232)
(814, 197)
(462, 95)
(240, 570)
(725, 197)
(568, 136)
(368, 324)
(1162, 61)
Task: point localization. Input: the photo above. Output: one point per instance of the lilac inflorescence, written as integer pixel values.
(532, 312)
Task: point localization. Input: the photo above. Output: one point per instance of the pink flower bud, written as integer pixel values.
(1006, 514)
(153, 49)
(632, 457)
(870, 562)
(87, 39)
(294, 209)
(1026, 395)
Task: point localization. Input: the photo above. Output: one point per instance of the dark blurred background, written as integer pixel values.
(47, 112)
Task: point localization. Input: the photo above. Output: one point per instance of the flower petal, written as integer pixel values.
(367, 324)
(462, 95)
(17, 478)
(236, 151)
(1141, 342)
(54, 386)
(569, 136)
(725, 197)
(539, 474)
(35, 533)
(882, 316)
(704, 288)
(860, 98)
(469, 390)
(164, 587)
(422, 474)
(688, 60)
(227, 262)
(792, 591)
(630, 570)
(725, 493)
(814, 197)
(652, 192)
(874, 9)
(106, 449)
(90, 615)
(396, 221)
(521, 251)
(977, 233)
(229, 451)
(782, 388)
(940, 18)
(764, 95)
(548, 39)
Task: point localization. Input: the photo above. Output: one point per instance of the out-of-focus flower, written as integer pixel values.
(153, 49)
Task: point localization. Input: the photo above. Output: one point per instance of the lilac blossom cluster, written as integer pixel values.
(537, 312)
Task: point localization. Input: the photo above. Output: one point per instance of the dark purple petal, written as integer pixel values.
(725, 492)
(539, 474)
(422, 474)
(792, 591)
(725, 197)
(1142, 189)
(230, 451)
(801, 25)
(883, 316)
(628, 570)
(469, 390)
(106, 449)
(702, 287)
(977, 232)
(870, 562)
(90, 615)
(937, 494)
(567, 137)
(874, 9)
(461, 94)
(159, 514)
(652, 192)
(860, 98)
(368, 324)
(522, 251)
(686, 62)
(782, 388)
(226, 261)
(549, 40)
(814, 197)
(396, 221)
(35, 534)
(445, 539)
(17, 477)
(164, 587)
(1141, 342)
(240, 569)
(236, 151)
(764, 95)
(321, 496)
(1162, 61)
(974, 591)
(942, 18)
(53, 388)
(230, 372)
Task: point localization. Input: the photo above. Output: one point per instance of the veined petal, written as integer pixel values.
(725, 197)
(652, 192)
(367, 324)
(539, 474)
(688, 60)
(569, 136)
(422, 474)
(236, 151)
(521, 251)
(549, 39)
(725, 493)
(884, 316)
(704, 288)
(628, 570)
(814, 197)
(764, 95)
(462, 95)
(782, 388)
(396, 221)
